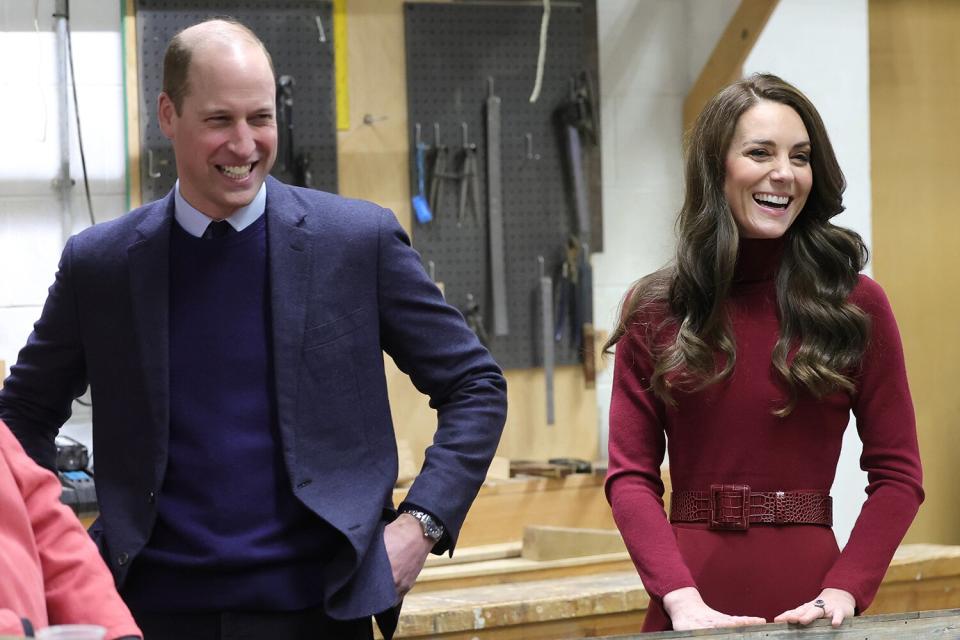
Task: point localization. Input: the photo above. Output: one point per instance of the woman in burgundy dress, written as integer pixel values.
(743, 359)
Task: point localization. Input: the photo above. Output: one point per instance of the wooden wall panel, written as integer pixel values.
(914, 93)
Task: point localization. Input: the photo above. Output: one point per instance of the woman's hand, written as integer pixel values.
(837, 606)
(687, 610)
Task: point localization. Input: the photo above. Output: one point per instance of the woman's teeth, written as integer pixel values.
(770, 200)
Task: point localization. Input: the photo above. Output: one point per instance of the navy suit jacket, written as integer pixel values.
(345, 287)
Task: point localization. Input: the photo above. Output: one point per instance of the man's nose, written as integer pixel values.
(241, 140)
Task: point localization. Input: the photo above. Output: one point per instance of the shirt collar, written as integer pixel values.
(195, 222)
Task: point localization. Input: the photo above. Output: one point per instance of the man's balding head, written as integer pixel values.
(180, 51)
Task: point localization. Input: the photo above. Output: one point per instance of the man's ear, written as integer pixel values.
(166, 112)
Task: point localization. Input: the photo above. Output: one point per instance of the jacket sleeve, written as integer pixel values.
(78, 587)
(430, 342)
(891, 457)
(634, 486)
(50, 372)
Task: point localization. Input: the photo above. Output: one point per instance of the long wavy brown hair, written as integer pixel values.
(816, 275)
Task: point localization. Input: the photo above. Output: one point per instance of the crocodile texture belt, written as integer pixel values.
(736, 507)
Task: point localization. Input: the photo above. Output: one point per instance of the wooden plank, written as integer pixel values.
(483, 553)
(917, 624)
(913, 253)
(554, 543)
(131, 77)
(502, 509)
(726, 62)
(518, 571)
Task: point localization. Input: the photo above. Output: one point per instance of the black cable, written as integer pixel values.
(76, 112)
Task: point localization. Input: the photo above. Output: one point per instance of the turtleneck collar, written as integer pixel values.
(758, 259)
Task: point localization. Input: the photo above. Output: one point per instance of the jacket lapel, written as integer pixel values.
(290, 259)
(149, 260)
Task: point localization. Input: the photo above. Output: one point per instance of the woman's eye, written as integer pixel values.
(758, 153)
(801, 158)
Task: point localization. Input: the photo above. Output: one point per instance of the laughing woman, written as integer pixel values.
(744, 359)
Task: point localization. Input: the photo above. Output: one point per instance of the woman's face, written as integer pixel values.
(768, 170)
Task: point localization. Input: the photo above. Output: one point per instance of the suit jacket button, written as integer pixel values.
(151, 497)
(122, 559)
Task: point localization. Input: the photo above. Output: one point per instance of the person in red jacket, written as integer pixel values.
(51, 570)
(743, 360)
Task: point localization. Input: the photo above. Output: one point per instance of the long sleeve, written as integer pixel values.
(61, 577)
(50, 371)
(891, 458)
(634, 487)
(429, 341)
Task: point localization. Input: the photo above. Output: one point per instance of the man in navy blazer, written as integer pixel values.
(232, 335)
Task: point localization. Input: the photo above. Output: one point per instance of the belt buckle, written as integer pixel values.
(730, 507)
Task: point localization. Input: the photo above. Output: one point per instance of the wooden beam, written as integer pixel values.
(555, 543)
(131, 97)
(502, 509)
(726, 62)
(917, 624)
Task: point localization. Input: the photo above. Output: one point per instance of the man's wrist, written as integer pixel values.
(431, 527)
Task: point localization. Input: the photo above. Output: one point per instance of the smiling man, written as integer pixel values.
(232, 334)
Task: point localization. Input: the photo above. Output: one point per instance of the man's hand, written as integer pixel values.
(687, 610)
(837, 605)
(407, 549)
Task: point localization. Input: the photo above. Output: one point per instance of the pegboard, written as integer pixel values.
(452, 49)
(299, 36)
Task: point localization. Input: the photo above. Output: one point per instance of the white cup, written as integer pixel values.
(72, 632)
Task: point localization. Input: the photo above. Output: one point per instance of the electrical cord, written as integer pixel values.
(76, 113)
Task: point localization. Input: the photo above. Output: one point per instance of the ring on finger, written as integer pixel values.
(820, 604)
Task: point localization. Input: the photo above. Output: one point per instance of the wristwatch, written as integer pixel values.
(431, 528)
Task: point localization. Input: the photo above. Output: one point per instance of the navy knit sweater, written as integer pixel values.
(230, 534)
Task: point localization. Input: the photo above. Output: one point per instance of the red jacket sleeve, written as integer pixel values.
(77, 586)
(634, 487)
(891, 457)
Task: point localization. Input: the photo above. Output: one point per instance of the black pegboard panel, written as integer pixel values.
(451, 51)
(289, 30)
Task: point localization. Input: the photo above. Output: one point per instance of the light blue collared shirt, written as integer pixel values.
(195, 222)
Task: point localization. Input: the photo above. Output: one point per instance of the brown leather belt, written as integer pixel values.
(736, 507)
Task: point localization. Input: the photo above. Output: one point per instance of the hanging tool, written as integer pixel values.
(296, 165)
(474, 319)
(549, 352)
(438, 174)
(432, 271)
(576, 117)
(469, 176)
(421, 208)
(498, 266)
(566, 295)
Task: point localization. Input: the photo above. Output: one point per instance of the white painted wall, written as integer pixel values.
(31, 233)
(651, 52)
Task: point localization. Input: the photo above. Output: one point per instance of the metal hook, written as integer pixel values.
(540, 264)
(416, 136)
(463, 133)
(321, 34)
(436, 134)
(529, 140)
(432, 270)
(489, 86)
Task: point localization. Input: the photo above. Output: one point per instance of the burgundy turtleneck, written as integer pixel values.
(727, 433)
